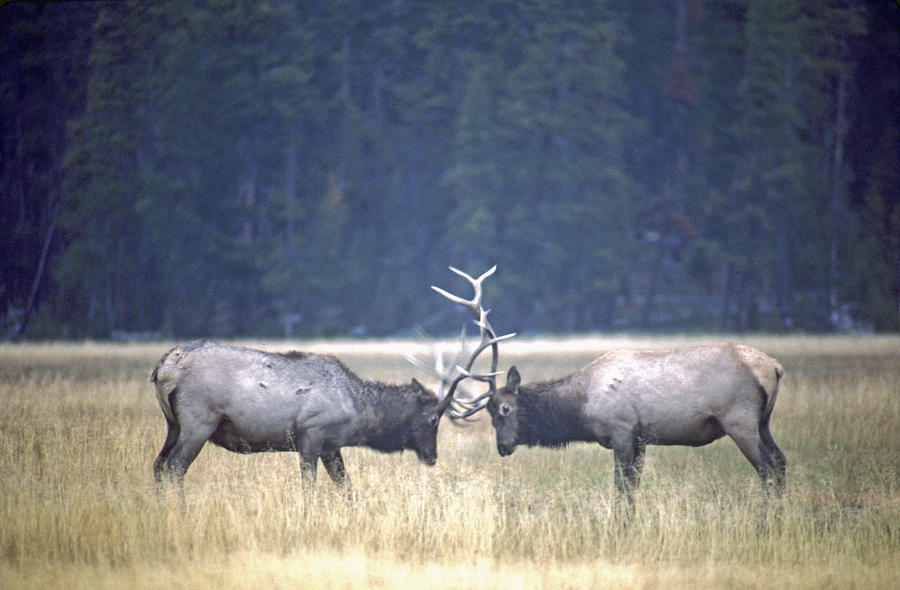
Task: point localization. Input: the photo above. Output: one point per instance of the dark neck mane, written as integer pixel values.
(550, 415)
(389, 406)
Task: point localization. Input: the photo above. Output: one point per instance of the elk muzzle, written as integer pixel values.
(427, 458)
(505, 449)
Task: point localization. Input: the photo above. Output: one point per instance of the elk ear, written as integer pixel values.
(513, 380)
(423, 394)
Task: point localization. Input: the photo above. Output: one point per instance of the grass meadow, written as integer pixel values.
(80, 428)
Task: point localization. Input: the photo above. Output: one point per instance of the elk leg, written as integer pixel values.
(189, 440)
(640, 445)
(308, 464)
(159, 466)
(334, 466)
(777, 460)
(310, 451)
(626, 475)
(628, 453)
(759, 455)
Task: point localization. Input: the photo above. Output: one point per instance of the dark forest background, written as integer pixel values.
(298, 168)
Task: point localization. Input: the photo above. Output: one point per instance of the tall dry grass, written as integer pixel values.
(79, 429)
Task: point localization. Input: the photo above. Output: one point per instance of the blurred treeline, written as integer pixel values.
(289, 167)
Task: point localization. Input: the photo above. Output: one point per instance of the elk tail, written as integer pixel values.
(165, 386)
(772, 395)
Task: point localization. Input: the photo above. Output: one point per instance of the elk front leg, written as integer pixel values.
(334, 466)
(308, 465)
(640, 445)
(626, 476)
(310, 451)
(629, 457)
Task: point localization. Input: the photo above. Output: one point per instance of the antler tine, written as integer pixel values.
(502, 338)
(416, 361)
(413, 358)
(445, 373)
(477, 377)
(475, 282)
(463, 411)
(474, 304)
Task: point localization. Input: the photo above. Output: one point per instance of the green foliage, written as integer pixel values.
(264, 168)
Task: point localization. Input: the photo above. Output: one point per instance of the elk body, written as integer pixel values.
(626, 400)
(249, 401)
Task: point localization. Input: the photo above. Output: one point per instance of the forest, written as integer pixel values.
(290, 168)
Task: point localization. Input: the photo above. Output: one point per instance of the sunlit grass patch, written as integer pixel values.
(80, 427)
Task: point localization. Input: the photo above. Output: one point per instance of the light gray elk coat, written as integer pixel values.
(247, 401)
(628, 399)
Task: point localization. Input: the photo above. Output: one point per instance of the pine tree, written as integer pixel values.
(43, 59)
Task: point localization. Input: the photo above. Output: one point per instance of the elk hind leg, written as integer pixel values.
(751, 444)
(159, 466)
(776, 459)
(177, 456)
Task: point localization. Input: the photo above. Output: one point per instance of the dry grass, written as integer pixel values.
(79, 429)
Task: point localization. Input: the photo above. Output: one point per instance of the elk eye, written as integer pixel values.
(505, 410)
(433, 420)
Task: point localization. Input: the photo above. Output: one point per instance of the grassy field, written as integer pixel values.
(80, 428)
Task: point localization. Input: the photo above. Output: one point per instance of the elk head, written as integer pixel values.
(503, 408)
(423, 428)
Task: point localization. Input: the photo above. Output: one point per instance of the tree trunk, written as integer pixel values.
(290, 190)
(834, 207)
(39, 272)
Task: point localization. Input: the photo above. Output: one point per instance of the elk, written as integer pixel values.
(249, 401)
(628, 399)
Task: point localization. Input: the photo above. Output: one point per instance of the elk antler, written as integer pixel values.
(489, 339)
(441, 369)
